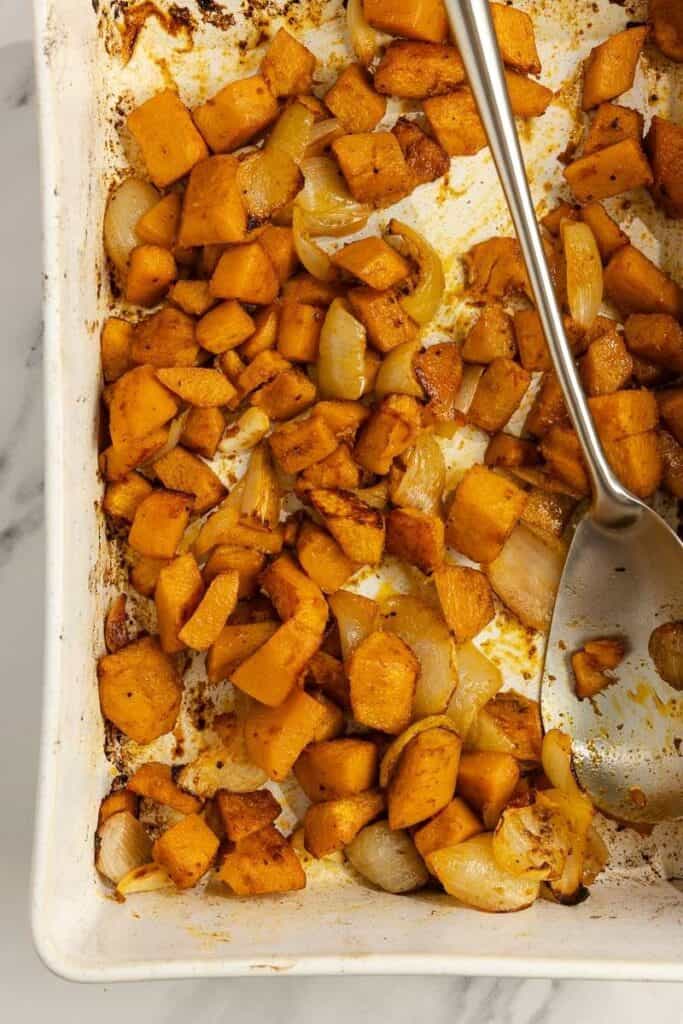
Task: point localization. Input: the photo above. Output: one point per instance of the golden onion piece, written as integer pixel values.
(325, 201)
(122, 845)
(261, 494)
(314, 259)
(387, 858)
(128, 202)
(424, 298)
(418, 477)
(424, 630)
(666, 650)
(396, 375)
(365, 40)
(530, 595)
(478, 681)
(532, 842)
(584, 272)
(470, 872)
(341, 354)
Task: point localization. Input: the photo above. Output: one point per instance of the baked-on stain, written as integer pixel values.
(215, 14)
(177, 22)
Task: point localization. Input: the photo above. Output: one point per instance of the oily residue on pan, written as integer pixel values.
(129, 20)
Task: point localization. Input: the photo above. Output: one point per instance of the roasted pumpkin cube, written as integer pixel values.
(508, 451)
(637, 461)
(306, 288)
(672, 462)
(276, 736)
(391, 428)
(611, 124)
(548, 408)
(322, 558)
(501, 388)
(115, 342)
(205, 624)
(202, 430)
(198, 385)
(357, 528)
(234, 645)
(300, 444)
(667, 26)
(495, 269)
(193, 297)
(384, 319)
(670, 404)
(611, 66)
(333, 824)
(262, 863)
(299, 331)
(453, 825)
(342, 417)
(636, 285)
(187, 850)
(178, 591)
(483, 514)
(266, 323)
(271, 672)
(607, 233)
(243, 814)
(337, 768)
(490, 337)
(263, 368)
(416, 537)
(159, 524)
(354, 102)
(487, 780)
(455, 121)
(607, 365)
(417, 70)
(225, 327)
(155, 781)
(374, 167)
(609, 172)
(159, 226)
(533, 348)
(278, 243)
(119, 800)
(515, 34)
(439, 371)
(333, 722)
(122, 498)
(466, 600)
(140, 690)
(294, 594)
(423, 781)
(624, 413)
(414, 19)
(180, 470)
(165, 339)
(382, 676)
(373, 262)
(151, 272)
(247, 564)
(561, 449)
(426, 159)
(664, 146)
(170, 143)
(117, 461)
(213, 211)
(656, 337)
(236, 114)
(589, 678)
(527, 97)
(288, 65)
(337, 471)
(245, 272)
(144, 574)
(510, 724)
(286, 395)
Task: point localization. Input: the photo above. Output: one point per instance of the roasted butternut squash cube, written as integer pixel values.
(510, 724)
(391, 428)
(637, 461)
(383, 317)
(294, 594)
(561, 449)
(180, 470)
(306, 288)
(224, 327)
(263, 367)
(271, 672)
(527, 97)
(337, 471)
(611, 124)
(414, 71)
(548, 408)
(533, 348)
(236, 114)
(213, 211)
(122, 498)
(357, 528)
(300, 444)
(337, 768)
(495, 269)
(170, 143)
(453, 825)
(373, 166)
(636, 285)
(140, 690)
(508, 451)
(247, 564)
(117, 461)
(198, 385)
(515, 33)
(193, 297)
(322, 558)
(672, 462)
(288, 65)
(624, 413)
(609, 172)
(278, 243)
(159, 226)
(354, 102)
(165, 339)
(151, 272)
(328, 673)
(266, 323)
(115, 342)
(234, 645)
(611, 66)
(155, 781)
(552, 221)
(416, 537)
(426, 159)
(439, 372)
(548, 511)
(670, 404)
(490, 337)
(119, 800)
(373, 262)
(243, 814)
(607, 233)
(202, 430)
(501, 388)
(382, 676)
(244, 272)
(332, 724)
(178, 591)
(187, 850)
(299, 331)
(286, 395)
(159, 524)
(414, 19)
(607, 365)
(455, 121)
(487, 780)
(205, 624)
(144, 574)
(656, 337)
(667, 27)
(466, 600)
(664, 146)
(342, 417)
(423, 781)
(333, 824)
(262, 863)
(483, 514)
(276, 736)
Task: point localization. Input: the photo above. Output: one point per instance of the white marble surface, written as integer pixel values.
(27, 989)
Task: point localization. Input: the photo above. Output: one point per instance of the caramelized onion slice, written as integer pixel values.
(418, 480)
(126, 205)
(387, 858)
(365, 40)
(478, 681)
(529, 594)
(261, 493)
(584, 272)
(470, 872)
(123, 845)
(341, 354)
(314, 259)
(422, 302)
(325, 201)
(427, 635)
(533, 842)
(396, 375)
(357, 617)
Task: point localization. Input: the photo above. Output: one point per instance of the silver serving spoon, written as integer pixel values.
(624, 571)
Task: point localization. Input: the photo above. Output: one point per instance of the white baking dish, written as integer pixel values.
(629, 928)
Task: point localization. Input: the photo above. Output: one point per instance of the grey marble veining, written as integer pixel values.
(28, 991)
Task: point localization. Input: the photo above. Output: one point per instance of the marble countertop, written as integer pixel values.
(29, 991)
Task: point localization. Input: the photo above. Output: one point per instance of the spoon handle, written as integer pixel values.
(473, 29)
